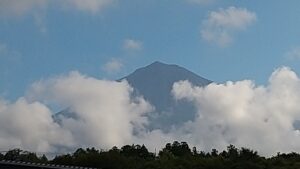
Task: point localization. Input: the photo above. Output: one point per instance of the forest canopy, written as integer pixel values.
(173, 155)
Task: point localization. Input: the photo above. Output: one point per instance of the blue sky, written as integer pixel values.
(111, 38)
(67, 53)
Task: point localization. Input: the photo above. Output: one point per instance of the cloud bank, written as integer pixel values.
(221, 25)
(106, 114)
(29, 125)
(244, 114)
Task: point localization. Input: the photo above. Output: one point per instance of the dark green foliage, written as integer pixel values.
(1, 156)
(136, 151)
(177, 149)
(13, 155)
(174, 155)
(63, 159)
(24, 156)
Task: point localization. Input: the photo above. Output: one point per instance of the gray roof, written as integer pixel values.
(39, 165)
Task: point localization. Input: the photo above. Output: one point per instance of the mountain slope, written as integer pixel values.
(155, 82)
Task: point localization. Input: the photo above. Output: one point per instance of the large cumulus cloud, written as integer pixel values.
(29, 125)
(105, 115)
(244, 114)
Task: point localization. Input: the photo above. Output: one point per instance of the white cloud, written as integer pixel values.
(105, 115)
(243, 114)
(113, 66)
(293, 54)
(220, 25)
(132, 45)
(29, 125)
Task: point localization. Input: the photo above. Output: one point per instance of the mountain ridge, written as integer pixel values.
(154, 82)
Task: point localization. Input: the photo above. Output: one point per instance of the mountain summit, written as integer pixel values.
(154, 82)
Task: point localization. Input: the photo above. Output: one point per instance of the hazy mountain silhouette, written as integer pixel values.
(155, 82)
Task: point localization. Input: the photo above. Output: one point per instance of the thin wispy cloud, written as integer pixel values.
(40, 22)
(132, 45)
(201, 2)
(91, 6)
(38, 8)
(113, 66)
(9, 54)
(24, 7)
(3, 48)
(220, 26)
(20, 8)
(293, 53)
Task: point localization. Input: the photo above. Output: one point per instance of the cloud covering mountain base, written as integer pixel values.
(106, 114)
(243, 114)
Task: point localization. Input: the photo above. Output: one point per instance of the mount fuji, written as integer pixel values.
(154, 83)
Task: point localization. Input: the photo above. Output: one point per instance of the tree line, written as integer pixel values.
(176, 155)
